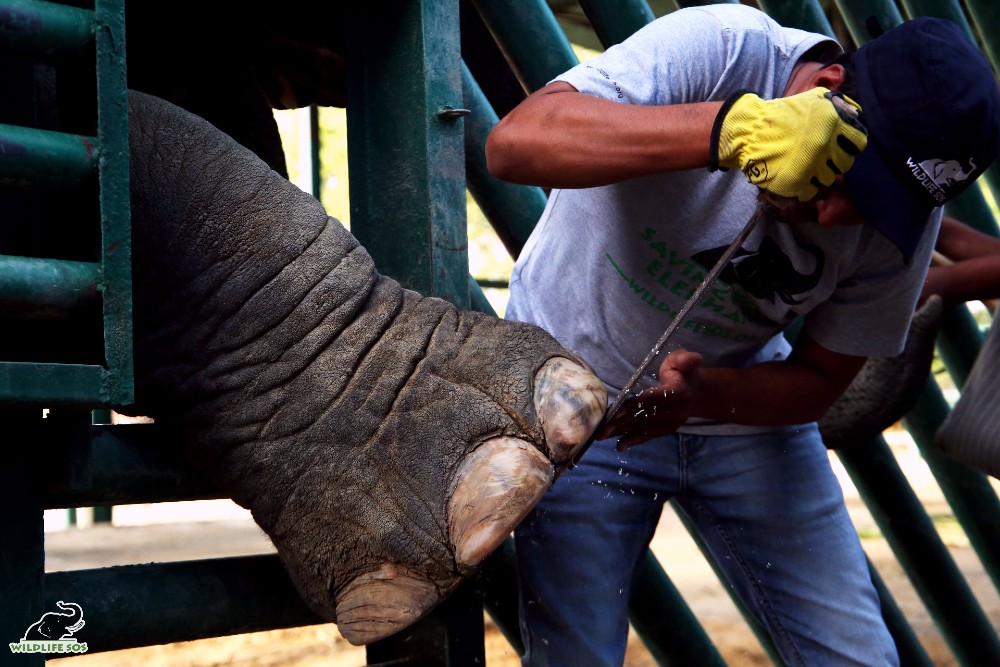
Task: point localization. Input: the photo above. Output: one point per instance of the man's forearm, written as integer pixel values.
(551, 139)
(976, 279)
(770, 394)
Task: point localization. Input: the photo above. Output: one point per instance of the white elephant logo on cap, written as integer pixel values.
(946, 173)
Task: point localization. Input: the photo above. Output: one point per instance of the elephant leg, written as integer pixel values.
(385, 441)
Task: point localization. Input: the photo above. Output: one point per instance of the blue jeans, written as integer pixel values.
(769, 509)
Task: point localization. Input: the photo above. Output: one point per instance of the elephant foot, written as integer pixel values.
(886, 388)
(492, 488)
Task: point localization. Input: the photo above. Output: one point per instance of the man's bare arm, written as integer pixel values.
(795, 391)
(551, 139)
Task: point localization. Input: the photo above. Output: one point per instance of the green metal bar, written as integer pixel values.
(498, 583)
(971, 208)
(45, 287)
(34, 158)
(55, 384)
(614, 21)
(511, 209)
(666, 624)
(986, 17)
(44, 29)
(116, 216)
(911, 652)
(117, 465)
(450, 637)
(969, 493)
(315, 159)
(102, 514)
(942, 9)
(919, 549)
(478, 300)
(856, 13)
(801, 14)
(530, 38)
(406, 150)
(143, 605)
(959, 342)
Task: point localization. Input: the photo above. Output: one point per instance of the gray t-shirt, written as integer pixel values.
(607, 268)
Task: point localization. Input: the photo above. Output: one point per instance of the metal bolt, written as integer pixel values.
(450, 113)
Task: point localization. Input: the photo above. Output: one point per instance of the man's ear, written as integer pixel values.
(831, 76)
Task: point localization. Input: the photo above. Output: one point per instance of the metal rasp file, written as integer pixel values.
(763, 206)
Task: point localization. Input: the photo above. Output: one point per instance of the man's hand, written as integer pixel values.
(661, 409)
(790, 146)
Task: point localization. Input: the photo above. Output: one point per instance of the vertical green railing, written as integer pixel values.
(36, 158)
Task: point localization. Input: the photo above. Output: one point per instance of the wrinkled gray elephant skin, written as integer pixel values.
(386, 442)
(886, 388)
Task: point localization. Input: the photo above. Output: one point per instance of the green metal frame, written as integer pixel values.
(406, 144)
(35, 158)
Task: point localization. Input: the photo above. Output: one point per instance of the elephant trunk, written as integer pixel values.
(74, 611)
(74, 615)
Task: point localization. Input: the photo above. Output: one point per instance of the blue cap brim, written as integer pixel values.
(885, 201)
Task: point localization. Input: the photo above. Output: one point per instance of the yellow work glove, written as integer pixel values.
(789, 146)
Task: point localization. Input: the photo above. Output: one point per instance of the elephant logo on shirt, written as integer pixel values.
(767, 273)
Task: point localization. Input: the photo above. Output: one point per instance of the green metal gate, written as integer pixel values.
(78, 296)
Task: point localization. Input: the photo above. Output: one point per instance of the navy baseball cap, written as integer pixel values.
(931, 104)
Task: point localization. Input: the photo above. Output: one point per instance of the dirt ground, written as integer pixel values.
(322, 645)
